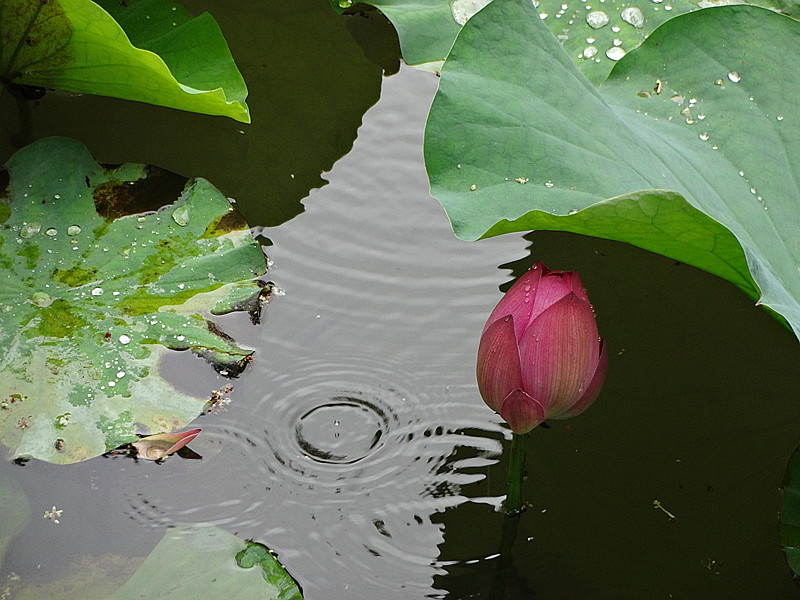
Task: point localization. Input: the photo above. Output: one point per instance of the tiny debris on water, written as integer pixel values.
(219, 400)
(53, 514)
(657, 504)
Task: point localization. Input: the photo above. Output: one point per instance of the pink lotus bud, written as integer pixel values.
(540, 356)
(154, 447)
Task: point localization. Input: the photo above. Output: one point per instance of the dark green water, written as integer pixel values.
(357, 445)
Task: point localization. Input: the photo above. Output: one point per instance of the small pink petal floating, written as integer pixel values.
(153, 447)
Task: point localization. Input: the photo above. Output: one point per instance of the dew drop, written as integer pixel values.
(734, 76)
(617, 42)
(741, 173)
(57, 196)
(52, 231)
(633, 16)
(615, 53)
(41, 299)
(120, 374)
(597, 19)
(703, 136)
(124, 339)
(753, 191)
(98, 291)
(590, 40)
(548, 184)
(463, 10)
(181, 215)
(615, 29)
(779, 117)
(589, 51)
(73, 230)
(718, 82)
(30, 229)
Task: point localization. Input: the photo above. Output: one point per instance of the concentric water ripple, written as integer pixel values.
(360, 418)
(339, 467)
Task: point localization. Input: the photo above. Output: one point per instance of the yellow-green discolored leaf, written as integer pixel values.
(75, 45)
(94, 293)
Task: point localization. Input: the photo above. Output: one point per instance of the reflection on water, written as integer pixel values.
(359, 420)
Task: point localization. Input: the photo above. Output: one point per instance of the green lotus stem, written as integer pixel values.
(516, 474)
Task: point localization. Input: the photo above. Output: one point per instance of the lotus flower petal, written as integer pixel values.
(153, 447)
(498, 369)
(519, 300)
(560, 352)
(522, 412)
(553, 288)
(593, 389)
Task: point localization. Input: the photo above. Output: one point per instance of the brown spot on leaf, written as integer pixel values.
(114, 199)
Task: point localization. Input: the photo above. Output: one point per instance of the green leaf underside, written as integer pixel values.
(427, 28)
(92, 298)
(790, 513)
(543, 148)
(76, 46)
(203, 561)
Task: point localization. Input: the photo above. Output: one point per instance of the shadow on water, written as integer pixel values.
(698, 411)
(309, 84)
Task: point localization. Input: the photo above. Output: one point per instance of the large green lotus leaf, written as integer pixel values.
(75, 45)
(790, 513)
(518, 139)
(588, 30)
(92, 298)
(203, 561)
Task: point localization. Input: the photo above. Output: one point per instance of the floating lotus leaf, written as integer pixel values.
(75, 45)
(790, 513)
(199, 561)
(92, 298)
(15, 511)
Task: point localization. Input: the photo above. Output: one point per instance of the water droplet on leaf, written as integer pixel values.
(633, 15)
(615, 53)
(181, 215)
(734, 76)
(597, 19)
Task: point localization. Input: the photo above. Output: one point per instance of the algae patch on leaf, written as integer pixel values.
(94, 294)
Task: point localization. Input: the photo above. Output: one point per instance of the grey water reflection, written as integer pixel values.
(360, 420)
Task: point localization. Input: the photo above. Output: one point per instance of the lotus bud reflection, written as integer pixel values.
(540, 356)
(155, 447)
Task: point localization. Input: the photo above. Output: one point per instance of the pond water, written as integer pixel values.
(356, 445)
